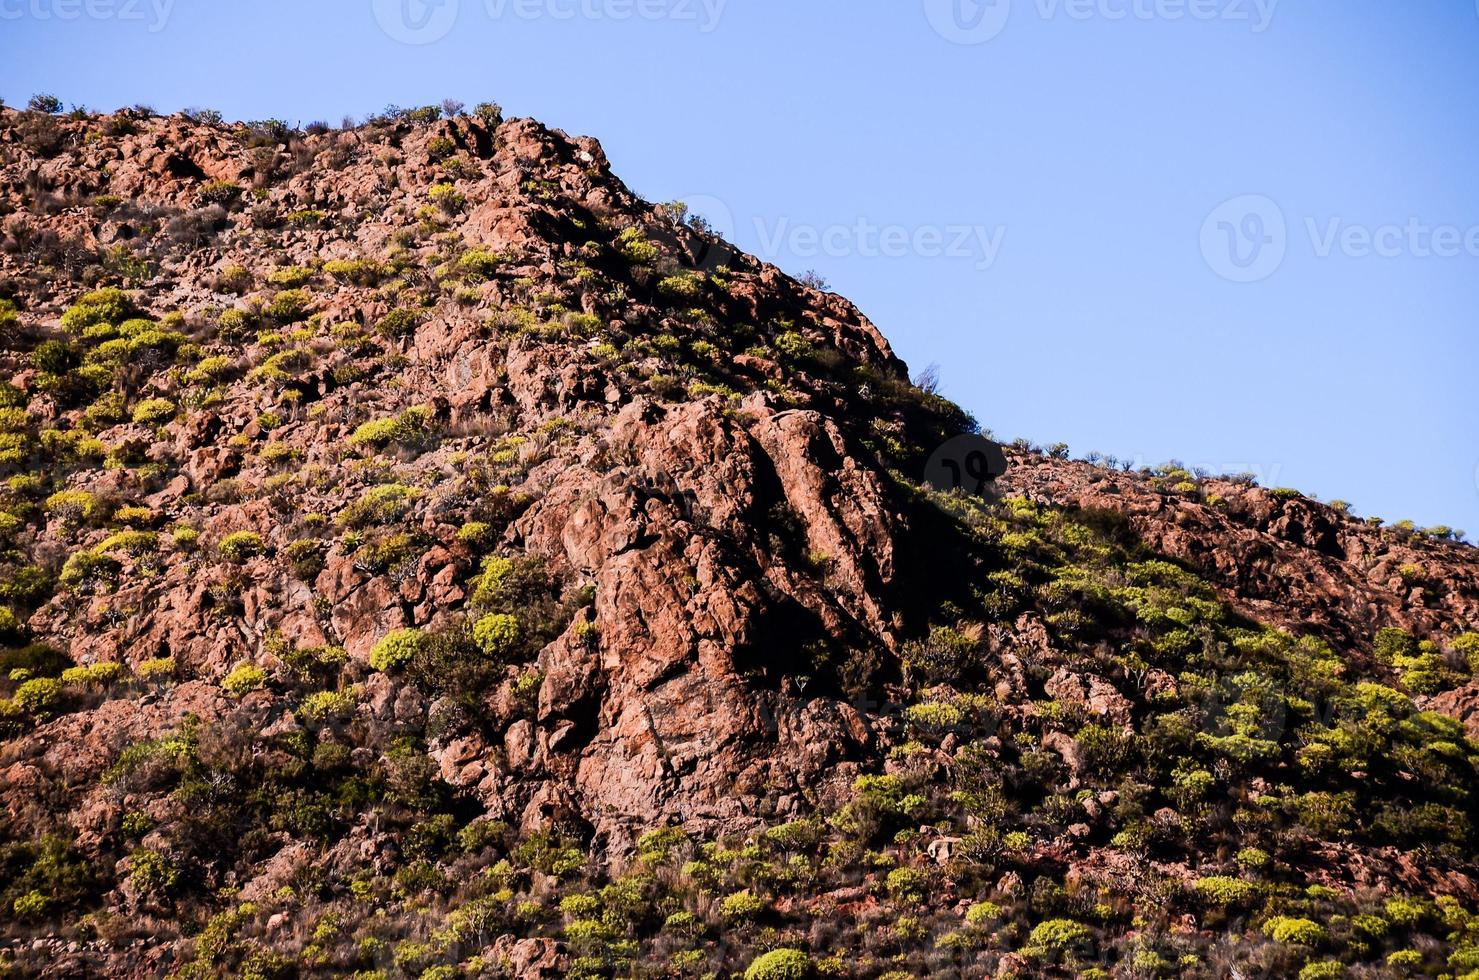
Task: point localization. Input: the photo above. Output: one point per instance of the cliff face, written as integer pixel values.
(422, 554)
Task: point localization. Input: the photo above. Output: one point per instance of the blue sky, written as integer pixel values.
(1032, 193)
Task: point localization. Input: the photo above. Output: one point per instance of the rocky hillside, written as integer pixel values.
(424, 558)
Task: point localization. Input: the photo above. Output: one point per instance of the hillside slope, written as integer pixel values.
(422, 557)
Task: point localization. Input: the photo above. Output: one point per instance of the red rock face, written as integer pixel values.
(718, 474)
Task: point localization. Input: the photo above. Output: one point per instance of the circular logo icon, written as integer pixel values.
(968, 21)
(1245, 239)
(968, 463)
(416, 21)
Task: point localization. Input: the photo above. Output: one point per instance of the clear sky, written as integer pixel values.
(1238, 233)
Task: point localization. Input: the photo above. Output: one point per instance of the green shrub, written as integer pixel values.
(1406, 912)
(399, 323)
(39, 696)
(907, 884)
(30, 906)
(238, 546)
(683, 287)
(290, 276)
(496, 634)
(635, 247)
(411, 428)
(474, 533)
(983, 912)
(396, 649)
(741, 906)
(154, 411)
(478, 264)
(446, 197)
(1323, 970)
(244, 679)
(780, 964)
(1467, 646)
(102, 673)
(104, 306)
(156, 668)
(153, 873)
(359, 272)
(580, 906)
(380, 504)
(1224, 891)
(1294, 931)
(221, 192)
(72, 506)
(289, 306)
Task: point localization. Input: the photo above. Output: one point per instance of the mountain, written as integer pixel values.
(423, 557)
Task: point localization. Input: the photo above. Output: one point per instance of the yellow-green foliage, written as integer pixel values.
(380, 504)
(983, 912)
(395, 649)
(38, 696)
(411, 427)
(238, 546)
(780, 964)
(1057, 936)
(154, 411)
(741, 906)
(329, 704)
(103, 673)
(104, 306)
(1467, 646)
(156, 668)
(474, 532)
(360, 272)
(478, 264)
(289, 306)
(1294, 931)
(1223, 891)
(291, 276)
(446, 197)
(496, 635)
(684, 287)
(398, 322)
(243, 679)
(71, 506)
(496, 569)
(633, 244)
